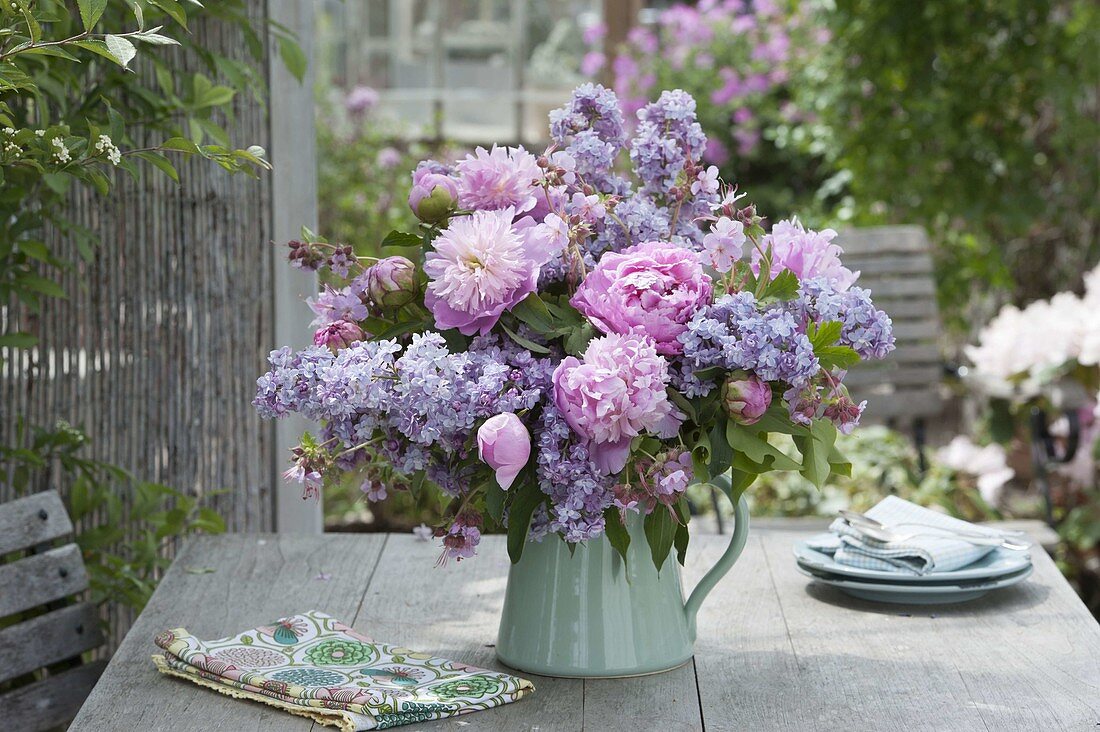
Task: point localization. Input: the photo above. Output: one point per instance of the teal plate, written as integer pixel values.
(937, 593)
(998, 563)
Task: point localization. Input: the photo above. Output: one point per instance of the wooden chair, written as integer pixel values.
(43, 630)
(896, 266)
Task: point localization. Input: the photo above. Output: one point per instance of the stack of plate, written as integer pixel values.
(1000, 568)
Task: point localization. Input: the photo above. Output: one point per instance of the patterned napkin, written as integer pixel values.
(918, 555)
(315, 666)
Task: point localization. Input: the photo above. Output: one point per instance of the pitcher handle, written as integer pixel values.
(722, 566)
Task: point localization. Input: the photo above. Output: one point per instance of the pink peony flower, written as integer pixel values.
(392, 283)
(483, 264)
(337, 335)
(650, 289)
(615, 394)
(805, 252)
(746, 398)
(504, 444)
(490, 180)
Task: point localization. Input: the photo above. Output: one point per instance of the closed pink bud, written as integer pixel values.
(746, 398)
(337, 335)
(504, 444)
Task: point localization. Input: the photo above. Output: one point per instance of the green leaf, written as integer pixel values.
(181, 144)
(616, 531)
(527, 499)
(840, 357)
(155, 39)
(700, 457)
(494, 501)
(90, 12)
(98, 47)
(17, 340)
(816, 449)
(577, 341)
(161, 163)
(680, 540)
(756, 447)
(293, 57)
(777, 419)
(120, 48)
(660, 533)
(173, 9)
(526, 343)
(721, 454)
(400, 239)
(783, 287)
(40, 284)
(533, 311)
(825, 334)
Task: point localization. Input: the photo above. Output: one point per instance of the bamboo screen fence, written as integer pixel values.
(156, 350)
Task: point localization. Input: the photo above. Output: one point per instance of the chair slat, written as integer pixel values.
(32, 520)
(51, 702)
(49, 638)
(41, 578)
(898, 376)
(902, 404)
(882, 240)
(874, 268)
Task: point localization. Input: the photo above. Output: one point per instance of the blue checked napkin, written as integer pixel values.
(917, 555)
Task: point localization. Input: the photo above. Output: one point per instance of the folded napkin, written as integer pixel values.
(918, 555)
(315, 666)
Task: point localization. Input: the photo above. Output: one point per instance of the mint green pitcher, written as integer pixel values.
(588, 615)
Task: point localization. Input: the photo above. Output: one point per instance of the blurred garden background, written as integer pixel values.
(138, 211)
(976, 121)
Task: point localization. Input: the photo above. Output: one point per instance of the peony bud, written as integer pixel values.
(433, 196)
(337, 335)
(746, 398)
(391, 283)
(504, 444)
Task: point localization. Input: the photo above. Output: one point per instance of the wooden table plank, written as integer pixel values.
(1025, 657)
(453, 612)
(774, 652)
(258, 579)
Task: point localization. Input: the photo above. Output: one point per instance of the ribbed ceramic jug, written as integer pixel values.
(588, 615)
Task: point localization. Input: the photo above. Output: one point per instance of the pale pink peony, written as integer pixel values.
(805, 252)
(650, 289)
(483, 264)
(504, 444)
(503, 177)
(615, 394)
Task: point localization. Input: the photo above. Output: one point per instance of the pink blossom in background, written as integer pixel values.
(642, 38)
(504, 444)
(716, 152)
(361, 100)
(592, 63)
(651, 289)
(731, 87)
(807, 253)
(747, 140)
(742, 115)
(615, 394)
(388, 157)
(594, 33)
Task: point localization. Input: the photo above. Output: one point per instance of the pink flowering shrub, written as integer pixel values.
(564, 345)
(740, 60)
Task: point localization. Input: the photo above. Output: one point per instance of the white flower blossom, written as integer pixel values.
(61, 153)
(40, 133)
(988, 465)
(105, 145)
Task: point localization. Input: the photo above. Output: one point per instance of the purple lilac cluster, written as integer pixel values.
(669, 141)
(432, 397)
(590, 129)
(865, 328)
(736, 334)
(579, 492)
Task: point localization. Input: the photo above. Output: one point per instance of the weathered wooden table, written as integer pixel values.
(774, 651)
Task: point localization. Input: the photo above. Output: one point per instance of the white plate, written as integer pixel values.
(918, 594)
(997, 563)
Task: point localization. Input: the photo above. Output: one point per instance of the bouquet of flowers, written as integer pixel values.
(561, 348)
